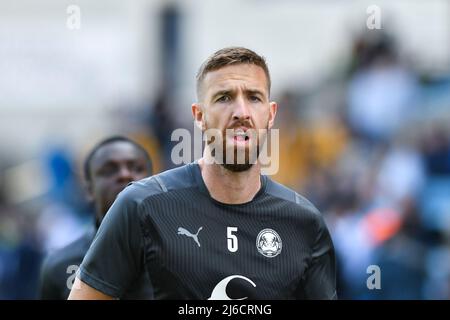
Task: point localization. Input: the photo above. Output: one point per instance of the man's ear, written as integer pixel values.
(273, 107)
(198, 115)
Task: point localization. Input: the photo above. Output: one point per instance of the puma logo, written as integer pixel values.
(185, 232)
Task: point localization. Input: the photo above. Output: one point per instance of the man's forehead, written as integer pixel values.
(248, 76)
(116, 151)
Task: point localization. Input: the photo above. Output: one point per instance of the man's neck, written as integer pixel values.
(230, 187)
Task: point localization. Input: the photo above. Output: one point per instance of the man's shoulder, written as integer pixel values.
(71, 254)
(285, 193)
(169, 180)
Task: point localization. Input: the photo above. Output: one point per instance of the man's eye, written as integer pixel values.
(108, 170)
(137, 168)
(223, 99)
(255, 99)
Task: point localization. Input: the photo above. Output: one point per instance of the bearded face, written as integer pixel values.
(236, 105)
(238, 147)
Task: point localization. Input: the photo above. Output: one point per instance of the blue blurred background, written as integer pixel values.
(364, 118)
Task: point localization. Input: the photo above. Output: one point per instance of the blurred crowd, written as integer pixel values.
(370, 147)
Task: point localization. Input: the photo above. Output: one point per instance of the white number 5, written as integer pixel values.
(232, 239)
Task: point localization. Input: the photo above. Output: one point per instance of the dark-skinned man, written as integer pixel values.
(108, 169)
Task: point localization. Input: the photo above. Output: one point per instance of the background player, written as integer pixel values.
(110, 166)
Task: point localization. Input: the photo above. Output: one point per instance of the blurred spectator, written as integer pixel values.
(436, 150)
(161, 121)
(20, 253)
(381, 92)
(385, 194)
(401, 259)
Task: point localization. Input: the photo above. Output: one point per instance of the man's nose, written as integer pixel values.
(241, 109)
(125, 174)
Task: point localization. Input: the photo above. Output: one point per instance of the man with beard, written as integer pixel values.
(110, 166)
(216, 229)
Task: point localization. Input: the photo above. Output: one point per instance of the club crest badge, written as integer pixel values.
(269, 243)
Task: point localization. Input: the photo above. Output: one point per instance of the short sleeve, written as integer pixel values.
(115, 258)
(319, 279)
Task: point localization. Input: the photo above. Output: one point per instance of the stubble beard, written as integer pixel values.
(249, 161)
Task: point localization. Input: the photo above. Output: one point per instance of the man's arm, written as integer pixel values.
(319, 280)
(82, 291)
(116, 256)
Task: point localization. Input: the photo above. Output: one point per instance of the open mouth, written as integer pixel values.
(241, 138)
(240, 135)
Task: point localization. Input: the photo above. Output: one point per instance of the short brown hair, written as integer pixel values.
(231, 56)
